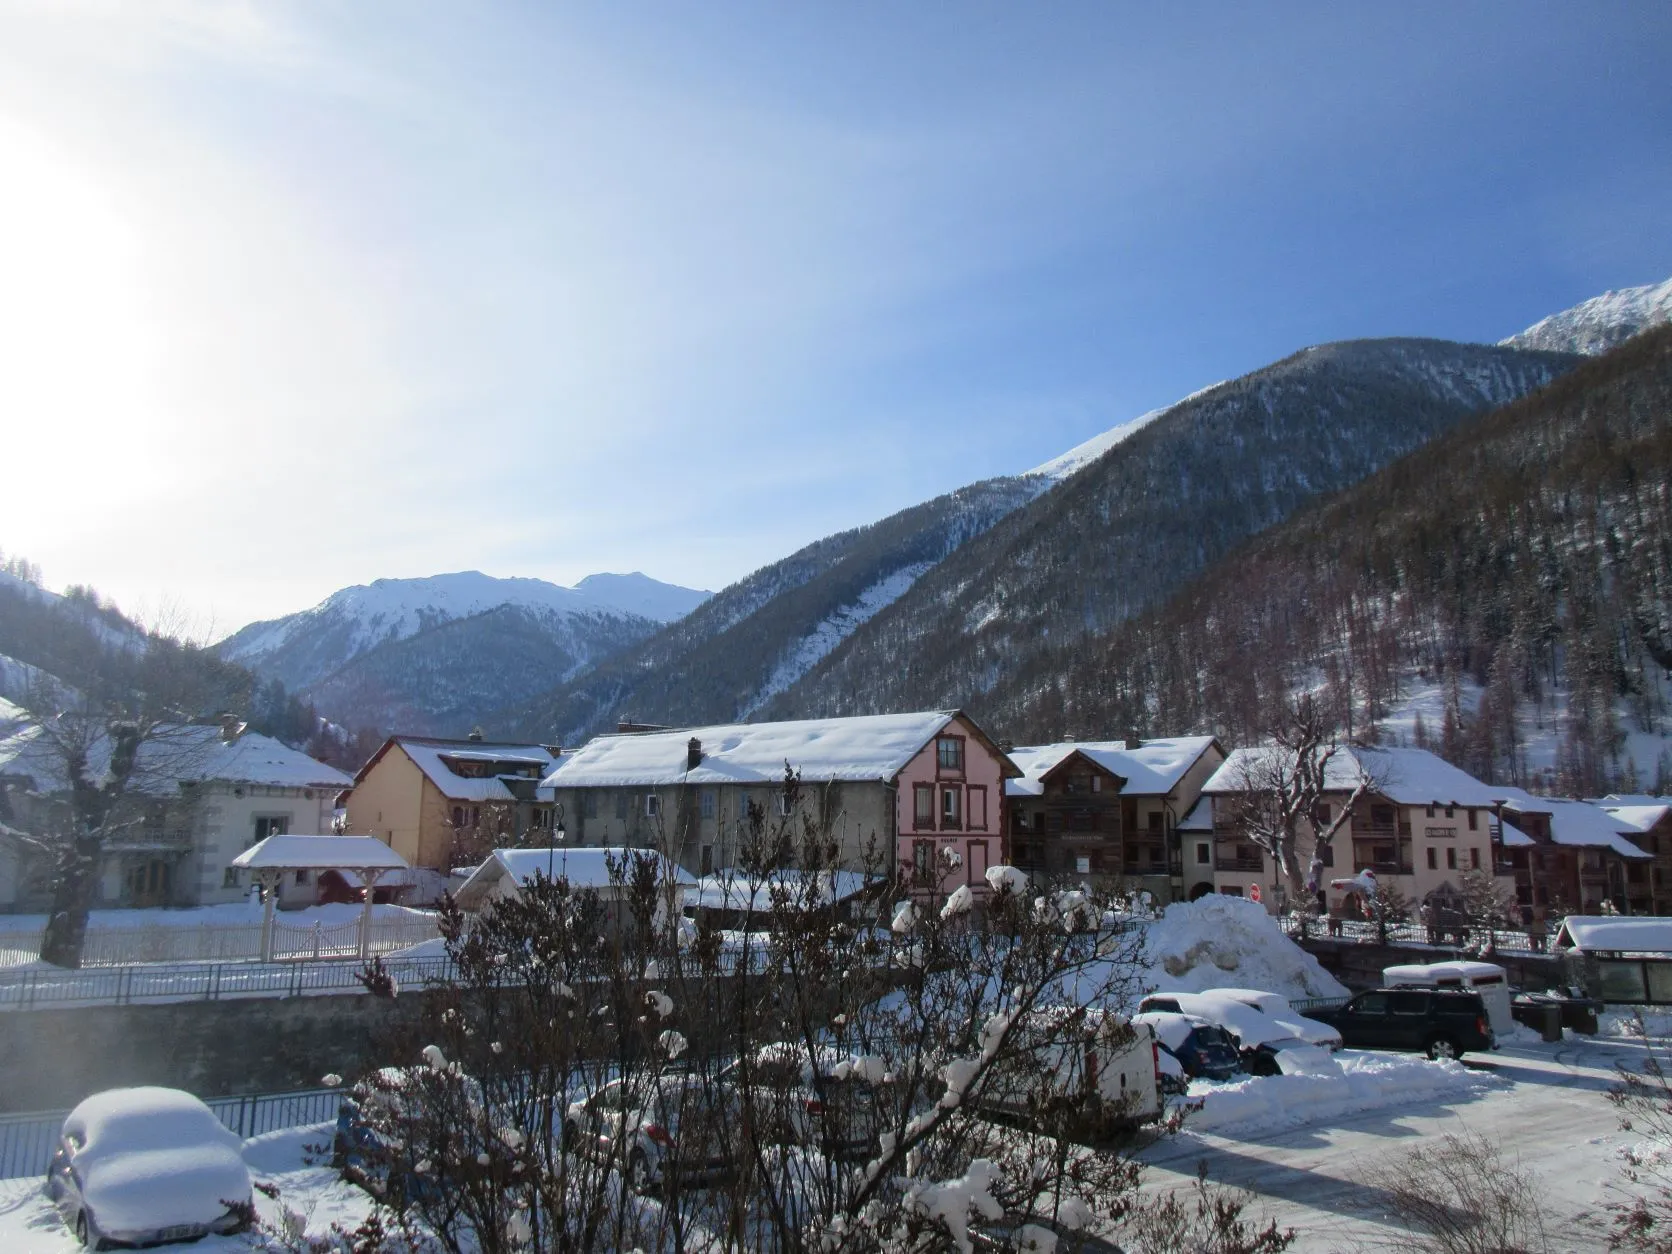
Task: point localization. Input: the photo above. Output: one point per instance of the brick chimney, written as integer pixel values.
(693, 754)
(1134, 741)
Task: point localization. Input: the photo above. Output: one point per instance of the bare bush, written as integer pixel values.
(1463, 1196)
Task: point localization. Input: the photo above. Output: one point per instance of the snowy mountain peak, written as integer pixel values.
(1599, 324)
(1083, 455)
(638, 593)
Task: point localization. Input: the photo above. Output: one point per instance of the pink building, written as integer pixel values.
(950, 805)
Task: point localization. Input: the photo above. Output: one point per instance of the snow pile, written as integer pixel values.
(1318, 1087)
(1220, 941)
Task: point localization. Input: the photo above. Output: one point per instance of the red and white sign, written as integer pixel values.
(1254, 892)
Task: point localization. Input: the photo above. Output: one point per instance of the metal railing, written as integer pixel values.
(1442, 936)
(27, 1141)
(222, 942)
(37, 989)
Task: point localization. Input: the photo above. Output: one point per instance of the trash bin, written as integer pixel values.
(1582, 1017)
(1551, 1027)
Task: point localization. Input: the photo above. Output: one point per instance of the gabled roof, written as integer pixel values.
(582, 867)
(298, 853)
(1632, 935)
(178, 754)
(1411, 777)
(428, 754)
(869, 747)
(1579, 823)
(1200, 818)
(1152, 769)
(1642, 817)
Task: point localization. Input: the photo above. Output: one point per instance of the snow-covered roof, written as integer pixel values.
(1152, 769)
(1430, 972)
(1578, 823)
(1636, 934)
(428, 754)
(1200, 817)
(1513, 837)
(583, 868)
(300, 853)
(1403, 776)
(876, 746)
(1630, 799)
(1642, 817)
(179, 754)
(735, 891)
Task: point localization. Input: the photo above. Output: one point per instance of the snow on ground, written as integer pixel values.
(1331, 1087)
(1219, 941)
(229, 914)
(30, 1225)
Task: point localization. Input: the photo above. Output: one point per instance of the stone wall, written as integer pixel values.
(51, 1059)
(1359, 965)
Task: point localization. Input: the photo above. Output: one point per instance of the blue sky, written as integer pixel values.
(306, 295)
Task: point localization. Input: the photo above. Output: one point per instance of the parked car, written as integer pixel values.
(1259, 1038)
(374, 1147)
(1202, 1050)
(828, 1102)
(1110, 1075)
(662, 1132)
(145, 1166)
(1443, 1023)
(1278, 1010)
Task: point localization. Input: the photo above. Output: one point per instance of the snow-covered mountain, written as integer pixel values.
(1597, 325)
(428, 652)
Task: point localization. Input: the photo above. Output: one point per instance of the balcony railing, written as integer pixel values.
(1233, 863)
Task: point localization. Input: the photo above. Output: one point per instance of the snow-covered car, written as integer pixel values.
(662, 1132)
(1111, 1074)
(830, 1106)
(1259, 1038)
(1203, 1050)
(1277, 1009)
(145, 1166)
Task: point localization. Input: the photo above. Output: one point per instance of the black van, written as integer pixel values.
(1443, 1023)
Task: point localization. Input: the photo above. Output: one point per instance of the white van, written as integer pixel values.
(1490, 981)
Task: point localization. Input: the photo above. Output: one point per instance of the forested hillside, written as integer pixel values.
(92, 648)
(1523, 564)
(722, 661)
(1126, 532)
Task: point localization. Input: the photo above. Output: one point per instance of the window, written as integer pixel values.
(1403, 1003)
(589, 804)
(952, 808)
(978, 808)
(708, 859)
(708, 803)
(1082, 864)
(1370, 1004)
(1326, 854)
(652, 805)
(229, 879)
(1449, 813)
(475, 815)
(1433, 860)
(784, 806)
(271, 825)
(621, 805)
(1155, 819)
(1132, 855)
(924, 802)
(922, 856)
(1474, 816)
(1474, 859)
(1430, 811)
(1204, 853)
(301, 877)
(949, 754)
(1451, 859)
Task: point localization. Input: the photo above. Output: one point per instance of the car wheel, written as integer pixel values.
(638, 1172)
(1444, 1047)
(86, 1233)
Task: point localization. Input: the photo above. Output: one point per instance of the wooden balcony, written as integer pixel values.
(1230, 862)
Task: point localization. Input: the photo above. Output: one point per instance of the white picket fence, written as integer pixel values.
(207, 942)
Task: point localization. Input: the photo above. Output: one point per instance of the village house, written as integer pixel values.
(1420, 825)
(444, 803)
(1575, 858)
(1110, 811)
(1648, 885)
(606, 873)
(913, 789)
(199, 796)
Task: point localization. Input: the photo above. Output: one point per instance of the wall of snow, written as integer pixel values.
(1230, 942)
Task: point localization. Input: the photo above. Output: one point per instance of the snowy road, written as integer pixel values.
(1554, 1114)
